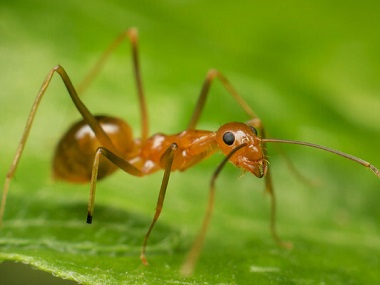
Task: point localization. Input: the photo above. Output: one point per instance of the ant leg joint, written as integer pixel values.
(212, 73)
(255, 122)
(57, 67)
(132, 34)
(174, 146)
(143, 259)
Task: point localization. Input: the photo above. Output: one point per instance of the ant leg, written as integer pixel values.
(211, 75)
(99, 64)
(88, 117)
(132, 35)
(167, 160)
(189, 264)
(115, 159)
(273, 229)
(256, 123)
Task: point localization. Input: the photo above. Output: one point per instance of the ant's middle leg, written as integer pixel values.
(167, 160)
(116, 160)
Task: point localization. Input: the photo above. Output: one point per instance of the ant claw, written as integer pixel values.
(144, 260)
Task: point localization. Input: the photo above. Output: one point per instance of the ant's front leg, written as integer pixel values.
(254, 122)
(211, 75)
(257, 124)
(191, 260)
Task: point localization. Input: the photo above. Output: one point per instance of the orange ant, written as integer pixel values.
(96, 146)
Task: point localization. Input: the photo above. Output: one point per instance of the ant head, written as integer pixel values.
(251, 156)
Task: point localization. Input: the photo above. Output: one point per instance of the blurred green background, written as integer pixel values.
(309, 69)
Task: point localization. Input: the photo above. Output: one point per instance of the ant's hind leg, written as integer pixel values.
(99, 64)
(87, 116)
(132, 35)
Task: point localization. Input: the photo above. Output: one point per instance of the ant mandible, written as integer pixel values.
(79, 156)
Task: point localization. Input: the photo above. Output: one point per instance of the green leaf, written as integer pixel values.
(311, 72)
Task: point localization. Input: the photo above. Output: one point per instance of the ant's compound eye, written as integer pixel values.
(228, 138)
(253, 130)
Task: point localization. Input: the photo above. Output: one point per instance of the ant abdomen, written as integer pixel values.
(74, 154)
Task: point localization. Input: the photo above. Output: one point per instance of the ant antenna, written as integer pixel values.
(337, 152)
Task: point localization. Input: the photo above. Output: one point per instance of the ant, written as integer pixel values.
(96, 146)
